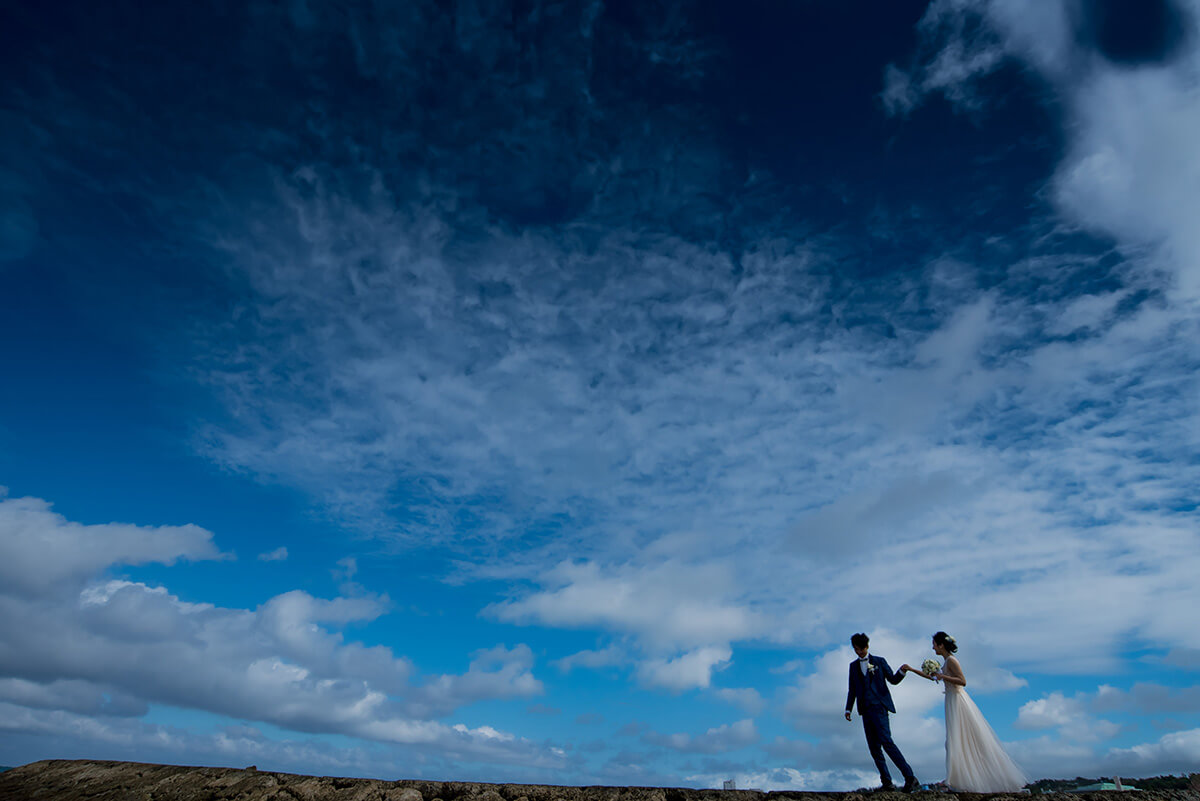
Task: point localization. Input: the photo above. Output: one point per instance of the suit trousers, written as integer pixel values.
(878, 729)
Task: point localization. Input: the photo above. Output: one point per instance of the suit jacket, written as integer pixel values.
(872, 687)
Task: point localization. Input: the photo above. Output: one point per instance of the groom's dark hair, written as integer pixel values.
(860, 640)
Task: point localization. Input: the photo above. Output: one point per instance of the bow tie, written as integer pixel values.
(864, 659)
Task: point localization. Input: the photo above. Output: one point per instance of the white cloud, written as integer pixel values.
(952, 56)
(1080, 738)
(280, 554)
(1085, 312)
(1187, 658)
(97, 647)
(1050, 756)
(996, 680)
(1130, 171)
(594, 659)
(28, 734)
(688, 671)
(1049, 712)
(1070, 716)
(956, 344)
(781, 779)
(748, 699)
(1131, 133)
(79, 697)
(1177, 752)
(497, 672)
(666, 604)
(43, 553)
(790, 666)
(899, 95)
(719, 739)
(849, 524)
(1148, 698)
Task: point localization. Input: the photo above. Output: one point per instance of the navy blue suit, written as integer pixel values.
(874, 700)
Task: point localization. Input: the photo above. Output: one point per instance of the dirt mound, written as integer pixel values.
(75, 780)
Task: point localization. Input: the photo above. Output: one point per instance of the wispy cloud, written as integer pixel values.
(605, 657)
(748, 699)
(550, 403)
(719, 739)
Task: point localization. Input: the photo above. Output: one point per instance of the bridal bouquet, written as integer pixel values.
(931, 666)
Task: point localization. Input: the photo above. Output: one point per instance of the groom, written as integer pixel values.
(867, 676)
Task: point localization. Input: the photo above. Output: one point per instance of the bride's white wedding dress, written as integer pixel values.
(975, 760)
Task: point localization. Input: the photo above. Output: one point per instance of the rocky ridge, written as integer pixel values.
(76, 780)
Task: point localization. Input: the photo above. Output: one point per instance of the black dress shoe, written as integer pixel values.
(886, 788)
(911, 784)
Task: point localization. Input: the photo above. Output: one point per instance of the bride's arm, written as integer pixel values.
(952, 673)
(907, 668)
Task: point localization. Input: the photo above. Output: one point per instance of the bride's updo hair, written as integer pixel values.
(946, 641)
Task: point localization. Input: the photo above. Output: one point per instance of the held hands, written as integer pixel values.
(907, 668)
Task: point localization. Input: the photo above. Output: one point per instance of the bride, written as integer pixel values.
(975, 760)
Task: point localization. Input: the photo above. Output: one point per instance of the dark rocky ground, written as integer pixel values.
(75, 780)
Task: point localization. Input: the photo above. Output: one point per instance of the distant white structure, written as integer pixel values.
(1115, 784)
(730, 784)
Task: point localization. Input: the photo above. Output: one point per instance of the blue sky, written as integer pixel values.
(545, 392)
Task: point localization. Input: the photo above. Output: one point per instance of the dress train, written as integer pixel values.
(975, 760)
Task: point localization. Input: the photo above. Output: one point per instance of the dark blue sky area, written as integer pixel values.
(712, 122)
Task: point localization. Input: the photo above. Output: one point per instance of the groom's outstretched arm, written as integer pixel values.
(893, 678)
